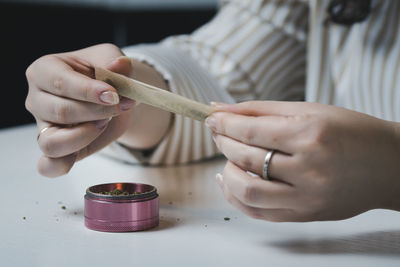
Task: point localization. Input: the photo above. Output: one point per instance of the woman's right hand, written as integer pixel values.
(81, 115)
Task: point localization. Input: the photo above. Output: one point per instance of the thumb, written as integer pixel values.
(121, 65)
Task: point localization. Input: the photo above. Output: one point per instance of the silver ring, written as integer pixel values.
(267, 160)
(42, 131)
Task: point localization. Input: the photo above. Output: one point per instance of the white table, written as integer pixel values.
(192, 229)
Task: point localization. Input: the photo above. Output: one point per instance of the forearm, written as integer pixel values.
(186, 140)
(148, 124)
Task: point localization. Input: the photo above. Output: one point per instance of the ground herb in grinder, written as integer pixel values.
(118, 192)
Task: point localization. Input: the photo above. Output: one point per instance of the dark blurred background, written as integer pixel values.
(33, 28)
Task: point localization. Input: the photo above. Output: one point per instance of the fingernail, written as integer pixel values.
(115, 60)
(220, 179)
(119, 60)
(102, 123)
(211, 123)
(126, 103)
(218, 104)
(109, 97)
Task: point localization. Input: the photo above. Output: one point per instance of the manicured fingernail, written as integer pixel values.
(120, 60)
(115, 60)
(109, 97)
(126, 103)
(218, 104)
(102, 123)
(211, 123)
(220, 179)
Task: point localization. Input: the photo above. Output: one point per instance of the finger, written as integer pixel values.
(250, 158)
(62, 80)
(256, 192)
(272, 132)
(54, 167)
(121, 65)
(59, 110)
(58, 141)
(263, 108)
(115, 128)
(41, 125)
(271, 214)
(100, 55)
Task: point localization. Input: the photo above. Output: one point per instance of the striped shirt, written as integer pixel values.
(275, 50)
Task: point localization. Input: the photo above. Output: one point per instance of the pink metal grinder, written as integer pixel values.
(121, 213)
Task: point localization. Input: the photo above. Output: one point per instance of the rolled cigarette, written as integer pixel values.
(154, 96)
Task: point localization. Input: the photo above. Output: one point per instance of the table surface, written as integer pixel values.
(192, 229)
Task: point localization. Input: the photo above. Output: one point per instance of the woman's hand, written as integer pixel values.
(329, 163)
(81, 115)
(78, 115)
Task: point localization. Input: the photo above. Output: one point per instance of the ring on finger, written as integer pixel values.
(41, 132)
(267, 161)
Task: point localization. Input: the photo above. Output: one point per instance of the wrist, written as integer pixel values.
(148, 125)
(146, 73)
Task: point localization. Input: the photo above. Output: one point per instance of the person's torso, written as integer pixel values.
(357, 66)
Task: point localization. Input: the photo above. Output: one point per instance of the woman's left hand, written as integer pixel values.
(329, 163)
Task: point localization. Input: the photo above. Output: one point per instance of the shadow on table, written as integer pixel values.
(384, 243)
